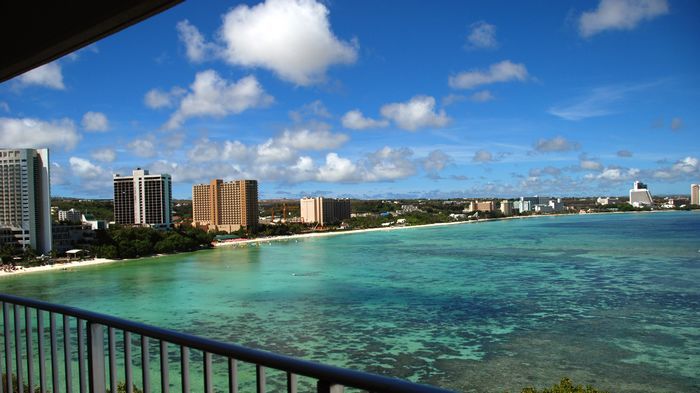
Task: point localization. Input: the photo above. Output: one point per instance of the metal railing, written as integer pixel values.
(97, 368)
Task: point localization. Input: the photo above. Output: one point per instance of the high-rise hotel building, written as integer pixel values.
(25, 198)
(695, 194)
(143, 199)
(225, 206)
(324, 210)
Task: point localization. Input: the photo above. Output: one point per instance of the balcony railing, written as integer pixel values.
(100, 362)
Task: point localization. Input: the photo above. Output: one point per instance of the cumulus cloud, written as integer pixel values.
(418, 112)
(312, 109)
(95, 121)
(35, 133)
(617, 174)
(211, 95)
(196, 46)
(338, 169)
(49, 75)
(676, 123)
(104, 155)
(619, 15)
(144, 147)
(311, 139)
(436, 161)
(505, 71)
(687, 165)
(85, 169)
(624, 153)
(156, 98)
(273, 161)
(482, 156)
(588, 164)
(283, 148)
(482, 35)
(556, 144)
(292, 38)
(481, 96)
(355, 120)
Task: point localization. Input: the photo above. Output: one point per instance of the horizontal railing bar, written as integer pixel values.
(338, 375)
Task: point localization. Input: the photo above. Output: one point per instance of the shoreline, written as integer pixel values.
(100, 261)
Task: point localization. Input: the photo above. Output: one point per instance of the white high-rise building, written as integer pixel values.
(695, 194)
(25, 197)
(640, 195)
(143, 199)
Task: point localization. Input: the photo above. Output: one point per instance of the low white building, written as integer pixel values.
(71, 215)
(607, 201)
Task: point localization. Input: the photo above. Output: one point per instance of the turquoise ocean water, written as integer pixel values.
(611, 300)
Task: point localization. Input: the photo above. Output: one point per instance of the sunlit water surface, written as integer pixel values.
(609, 300)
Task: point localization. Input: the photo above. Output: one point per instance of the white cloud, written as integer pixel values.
(619, 15)
(211, 95)
(556, 144)
(156, 98)
(482, 156)
(355, 120)
(436, 161)
(49, 75)
(307, 139)
(198, 50)
(312, 109)
(418, 112)
(618, 174)
(104, 155)
(687, 165)
(676, 123)
(292, 38)
(35, 133)
(145, 147)
(482, 96)
(95, 121)
(85, 169)
(505, 71)
(337, 169)
(452, 99)
(482, 36)
(389, 164)
(589, 164)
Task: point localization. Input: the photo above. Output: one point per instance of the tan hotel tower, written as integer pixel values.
(225, 206)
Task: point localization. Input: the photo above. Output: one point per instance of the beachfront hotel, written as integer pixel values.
(695, 194)
(506, 207)
(143, 199)
(225, 206)
(640, 195)
(324, 211)
(25, 201)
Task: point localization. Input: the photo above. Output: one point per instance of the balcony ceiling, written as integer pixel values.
(33, 33)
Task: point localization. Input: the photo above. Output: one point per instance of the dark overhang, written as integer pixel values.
(33, 33)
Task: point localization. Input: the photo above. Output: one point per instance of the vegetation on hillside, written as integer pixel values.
(102, 209)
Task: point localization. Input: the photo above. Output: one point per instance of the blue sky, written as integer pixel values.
(377, 99)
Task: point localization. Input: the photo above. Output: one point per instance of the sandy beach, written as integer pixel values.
(99, 261)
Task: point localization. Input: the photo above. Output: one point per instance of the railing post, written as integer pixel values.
(96, 358)
(327, 387)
